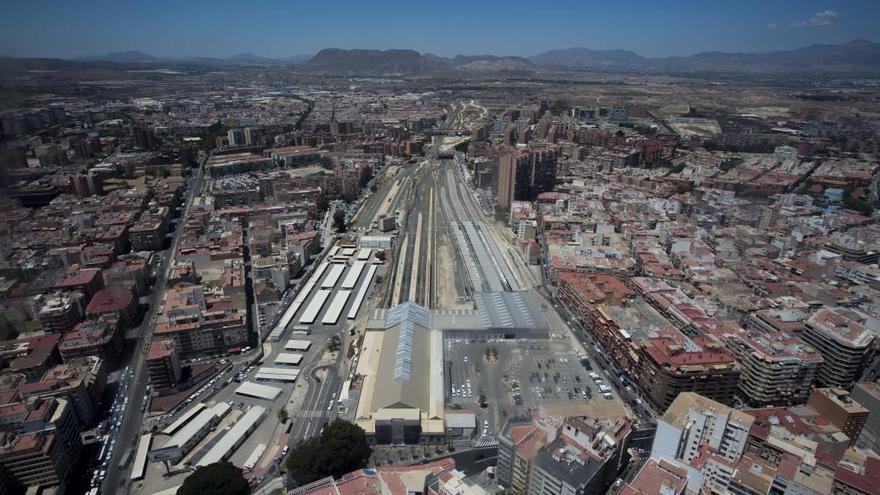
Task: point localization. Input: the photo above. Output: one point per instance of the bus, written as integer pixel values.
(126, 456)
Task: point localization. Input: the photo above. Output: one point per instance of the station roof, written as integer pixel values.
(256, 390)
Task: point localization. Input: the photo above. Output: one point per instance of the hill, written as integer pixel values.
(371, 61)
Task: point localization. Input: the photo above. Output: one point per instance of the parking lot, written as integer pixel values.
(501, 379)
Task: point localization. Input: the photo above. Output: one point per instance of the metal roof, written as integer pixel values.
(234, 436)
(506, 310)
(256, 390)
(407, 315)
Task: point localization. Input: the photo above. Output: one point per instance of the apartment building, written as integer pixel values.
(200, 324)
(776, 368)
(671, 367)
(163, 365)
(838, 406)
(34, 459)
(844, 342)
(554, 456)
(696, 427)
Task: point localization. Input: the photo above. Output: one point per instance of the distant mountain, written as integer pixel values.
(411, 62)
(585, 57)
(490, 63)
(127, 57)
(861, 53)
(401, 62)
(131, 57)
(857, 57)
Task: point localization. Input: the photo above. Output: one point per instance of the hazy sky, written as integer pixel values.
(512, 27)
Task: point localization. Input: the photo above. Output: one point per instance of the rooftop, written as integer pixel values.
(677, 413)
(843, 326)
(110, 299)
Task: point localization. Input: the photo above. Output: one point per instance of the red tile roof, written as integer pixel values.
(110, 300)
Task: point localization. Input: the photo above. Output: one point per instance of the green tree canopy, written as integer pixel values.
(341, 448)
(220, 478)
(339, 220)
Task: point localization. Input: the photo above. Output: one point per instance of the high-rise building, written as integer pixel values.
(699, 364)
(839, 407)
(868, 395)
(776, 368)
(584, 459)
(163, 365)
(34, 459)
(199, 324)
(80, 381)
(252, 136)
(236, 137)
(59, 312)
(573, 456)
(843, 341)
(523, 174)
(697, 427)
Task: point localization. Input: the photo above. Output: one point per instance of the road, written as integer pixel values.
(314, 411)
(133, 416)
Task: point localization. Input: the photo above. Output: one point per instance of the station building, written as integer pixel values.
(401, 365)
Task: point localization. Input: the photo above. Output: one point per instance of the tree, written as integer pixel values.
(380, 255)
(339, 221)
(341, 448)
(220, 478)
(333, 343)
(282, 415)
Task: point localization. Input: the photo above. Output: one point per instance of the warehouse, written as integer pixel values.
(173, 427)
(298, 301)
(187, 437)
(375, 241)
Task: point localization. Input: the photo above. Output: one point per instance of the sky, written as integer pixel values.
(274, 28)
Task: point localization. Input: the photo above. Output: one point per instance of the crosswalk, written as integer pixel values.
(311, 413)
(485, 443)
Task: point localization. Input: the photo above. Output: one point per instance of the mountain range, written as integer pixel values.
(134, 57)
(862, 56)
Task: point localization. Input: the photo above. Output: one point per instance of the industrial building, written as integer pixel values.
(401, 364)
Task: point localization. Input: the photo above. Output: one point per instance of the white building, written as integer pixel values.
(695, 426)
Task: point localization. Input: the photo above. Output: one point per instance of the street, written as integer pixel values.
(136, 389)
